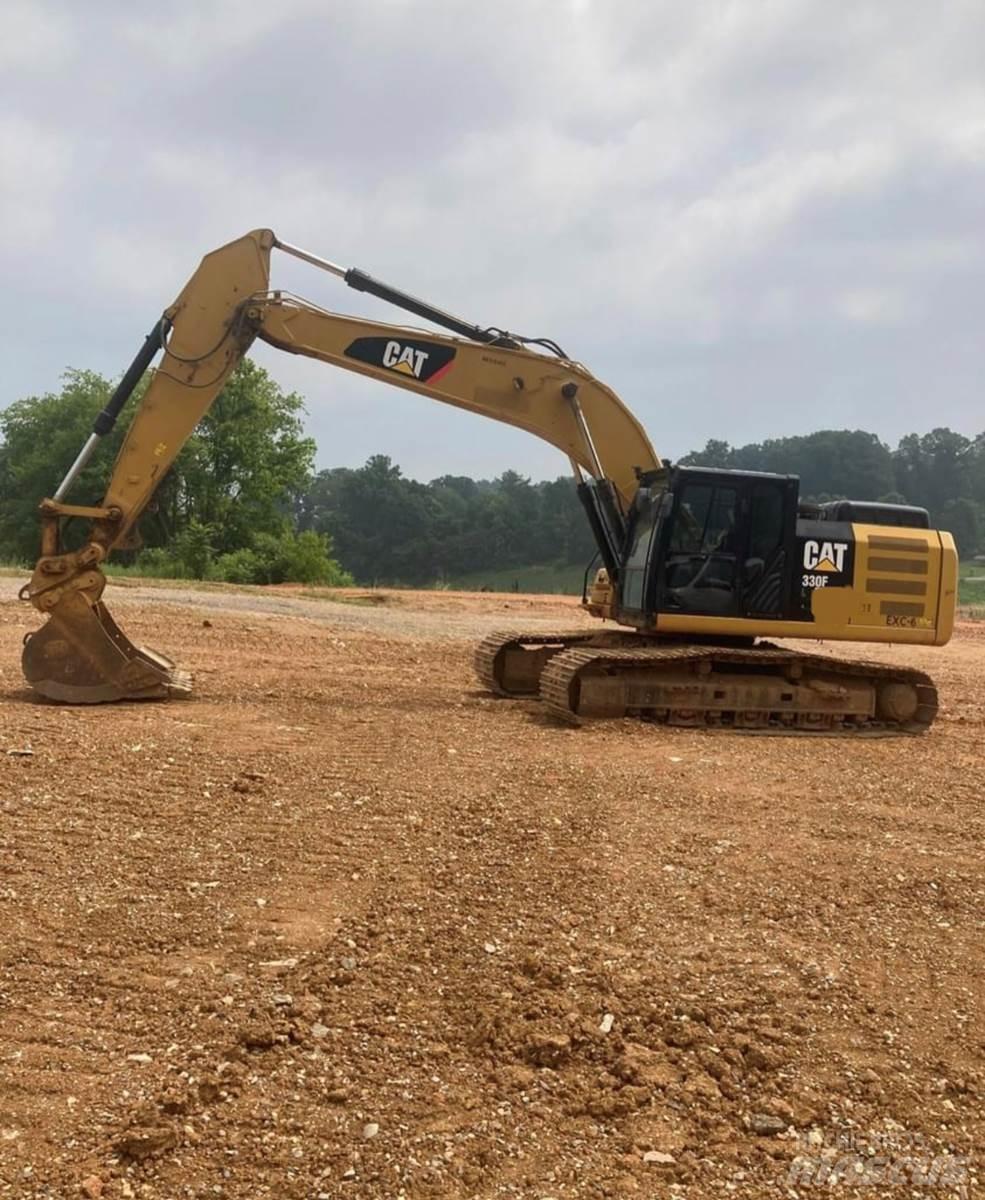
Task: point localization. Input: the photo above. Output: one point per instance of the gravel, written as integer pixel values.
(786, 933)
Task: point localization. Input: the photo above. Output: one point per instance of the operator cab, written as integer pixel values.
(734, 544)
(720, 543)
(710, 542)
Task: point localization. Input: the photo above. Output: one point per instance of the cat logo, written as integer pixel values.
(825, 556)
(827, 564)
(413, 357)
(404, 358)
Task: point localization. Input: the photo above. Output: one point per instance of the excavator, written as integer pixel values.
(697, 568)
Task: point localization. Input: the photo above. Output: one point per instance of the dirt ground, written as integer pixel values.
(343, 925)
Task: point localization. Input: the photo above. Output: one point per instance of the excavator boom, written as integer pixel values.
(80, 655)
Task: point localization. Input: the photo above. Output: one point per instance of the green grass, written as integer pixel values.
(971, 584)
(117, 570)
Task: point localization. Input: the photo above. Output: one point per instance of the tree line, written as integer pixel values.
(244, 503)
(941, 471)
(389, 529)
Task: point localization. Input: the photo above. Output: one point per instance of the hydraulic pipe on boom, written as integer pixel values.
(106, 420)
(361, 282)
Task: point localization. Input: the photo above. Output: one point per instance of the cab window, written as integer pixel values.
(705, 521)
(700, 569)
(634, 571)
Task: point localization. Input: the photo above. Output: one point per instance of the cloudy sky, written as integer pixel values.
(751, 219)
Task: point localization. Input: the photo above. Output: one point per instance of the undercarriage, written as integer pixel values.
(762, 688)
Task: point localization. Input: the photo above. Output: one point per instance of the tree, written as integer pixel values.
(937, 467)
(831, 463)
(564, 535)
(383, 526)
(243, 469)
(975, 469)
(389, 529)
(963, 519)
(41, 437)
(716, 453)
(238, 475)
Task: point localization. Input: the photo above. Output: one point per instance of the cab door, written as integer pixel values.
(767, 565)
(728, 549)
(700, 570)
(636, 576)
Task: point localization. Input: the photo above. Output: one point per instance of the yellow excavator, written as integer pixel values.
(696, 566)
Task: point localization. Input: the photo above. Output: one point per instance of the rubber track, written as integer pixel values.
(561, 672)
(486, 654)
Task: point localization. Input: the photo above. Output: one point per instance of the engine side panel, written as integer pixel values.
(880, 583)
(865, 583)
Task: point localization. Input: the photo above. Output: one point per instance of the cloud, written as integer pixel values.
(36, 164)
(749, 219)
(36, 38)
(189, 36)
(873, 306)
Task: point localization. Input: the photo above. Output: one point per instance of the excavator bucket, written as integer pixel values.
(81, 656)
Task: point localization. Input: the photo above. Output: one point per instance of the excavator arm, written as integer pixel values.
(80, 655)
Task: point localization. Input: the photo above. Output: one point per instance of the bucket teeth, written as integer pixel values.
(81, 656)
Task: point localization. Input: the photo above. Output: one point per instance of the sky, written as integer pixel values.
(751, 219)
